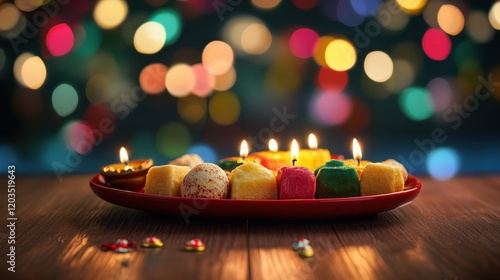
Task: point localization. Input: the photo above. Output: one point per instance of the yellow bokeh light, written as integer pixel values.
(266, 4)
(9, 16)
(150, 37)
(411, 6)
(233, 30)
(225, 81)
(99, 88)
(217, 57)
(33, 72)
(430, 13)
(192, 108)
(478, 27)
(403, 75)
(108, 14)
(450, 19)
(224, 108)
(395, 20)
(29, 5)
(180, 80)
(18, 66)
(256, 39)
(494, 16)
(378, 66)
(340, 55)
(320, 48)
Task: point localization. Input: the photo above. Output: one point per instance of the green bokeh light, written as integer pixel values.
(173, 140)
(171, 21)
(92, 41)
(64, 99)
(416, 103)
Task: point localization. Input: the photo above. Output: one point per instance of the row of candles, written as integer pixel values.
(130, 175)
(294, 150)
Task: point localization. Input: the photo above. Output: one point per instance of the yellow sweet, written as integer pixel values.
(399, 165)
(380, 178)
(165, 179)
(253, 181)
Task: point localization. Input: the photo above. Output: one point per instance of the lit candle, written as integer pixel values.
(127, 175)
(294, 152)
(273, 145)
(295, 182)
(313, 143)
(356, 151)
(243, 150)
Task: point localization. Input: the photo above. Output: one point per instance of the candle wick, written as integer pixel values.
(358, 161)
(293, 162)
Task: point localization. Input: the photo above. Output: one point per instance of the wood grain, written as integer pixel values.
(451, 231)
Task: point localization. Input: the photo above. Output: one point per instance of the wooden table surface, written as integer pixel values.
(450, 231)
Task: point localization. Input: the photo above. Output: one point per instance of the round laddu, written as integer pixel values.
(205, 180)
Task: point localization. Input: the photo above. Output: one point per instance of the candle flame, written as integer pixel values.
(123, 155)
(313, 143)
(356, 149)
(273, 145)
(294, 153)
(244, 149)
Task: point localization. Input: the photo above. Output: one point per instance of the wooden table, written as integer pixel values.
(451, 231)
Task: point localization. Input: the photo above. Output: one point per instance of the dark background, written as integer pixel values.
(34, 136)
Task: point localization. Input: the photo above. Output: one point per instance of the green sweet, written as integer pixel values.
(229, 165)
(331, 163)
(341, 181)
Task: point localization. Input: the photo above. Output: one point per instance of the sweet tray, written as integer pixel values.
(260, 209)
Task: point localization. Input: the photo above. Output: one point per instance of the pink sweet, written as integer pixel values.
(295, 182)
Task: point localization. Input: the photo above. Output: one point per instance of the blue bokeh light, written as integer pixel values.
(205, 152)
(443, 163)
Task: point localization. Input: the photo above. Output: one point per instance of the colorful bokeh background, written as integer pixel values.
(413, 80)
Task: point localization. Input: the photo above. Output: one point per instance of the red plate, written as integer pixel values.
(262, 209)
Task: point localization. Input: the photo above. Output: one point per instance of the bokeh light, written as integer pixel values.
(266, 4)
(378, 66)
(478, 27)
(283, 77)
(192, 109)
(450, 19)
(441, 94)
(233, 30)
(320, 49)
(365, 7)
(173, 140)
(91, 40)
(64, 99)
(217, 57)
(33, 72)
(340, 55)
(29, 5)
(225, 81)
(436, 44)
(494, 15)
(305, 4)
(152, 78)
(171, 22)
(102, 119)
(347, 14)
(302, 42)
(108, 14)
(149, 38)
(416, 103)
(9, 16)
(330, 109)
(9, 155)
(204, 81)
(18, 66)
(411, 6)
(99, 88)
(224, 108)
(206, 153)
(443, 163)
(391, 17)
(332, 81)
(430, 13)
(60, 39)
(180, 80)
(256, 39)
(79, 137)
